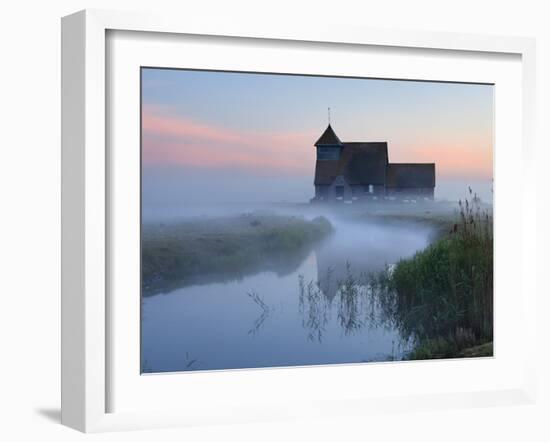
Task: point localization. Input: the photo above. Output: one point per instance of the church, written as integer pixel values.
(361, 171)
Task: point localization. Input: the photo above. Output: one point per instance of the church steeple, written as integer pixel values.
(329, 138)
(329, 146)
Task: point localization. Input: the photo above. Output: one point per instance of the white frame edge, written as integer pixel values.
(83, 222)
(84, 199)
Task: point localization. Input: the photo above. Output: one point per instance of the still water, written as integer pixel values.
(275, 319)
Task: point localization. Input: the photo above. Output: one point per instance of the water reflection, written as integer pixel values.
(314, 307)
(282, 264)
(322, 312)
(190, 363)
(266, 312)
(356, 304)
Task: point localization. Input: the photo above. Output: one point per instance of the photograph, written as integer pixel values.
(293, 220)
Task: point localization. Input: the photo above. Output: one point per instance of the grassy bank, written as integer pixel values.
(215, 250)
(442, 297)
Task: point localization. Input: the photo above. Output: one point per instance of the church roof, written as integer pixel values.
(405, 175)
(328, 138)
(359, 163)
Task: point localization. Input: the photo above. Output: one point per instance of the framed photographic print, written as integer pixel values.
(270, 223)
(259, 252)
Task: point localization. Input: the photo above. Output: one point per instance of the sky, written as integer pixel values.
(246, 137)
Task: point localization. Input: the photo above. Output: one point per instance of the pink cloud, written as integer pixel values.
(453, 160)
(172, 140)
(177, 141)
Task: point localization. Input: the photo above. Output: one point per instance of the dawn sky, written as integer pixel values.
(237, 130)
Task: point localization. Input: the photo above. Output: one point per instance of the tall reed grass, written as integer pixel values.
(443, 295)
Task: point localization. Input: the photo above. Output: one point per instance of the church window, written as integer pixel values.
(328, 153)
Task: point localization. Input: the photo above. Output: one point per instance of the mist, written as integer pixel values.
(255, 315)
(235, 260)
(178, 192)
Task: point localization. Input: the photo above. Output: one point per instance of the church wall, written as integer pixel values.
(321, 192)
(350, 192)
(334, 194)
(362, 192)
(410, 192)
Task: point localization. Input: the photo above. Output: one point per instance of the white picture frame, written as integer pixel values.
(86, 205)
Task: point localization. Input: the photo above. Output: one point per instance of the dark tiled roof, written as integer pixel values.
(360, 163)
(328, 138)
(410, 175)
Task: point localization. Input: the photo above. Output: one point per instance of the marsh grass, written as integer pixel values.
(216, 250)
(355, 304)
(350, 302)
(443, 295)
(314, 308)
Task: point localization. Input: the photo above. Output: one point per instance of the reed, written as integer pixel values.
(443, 295)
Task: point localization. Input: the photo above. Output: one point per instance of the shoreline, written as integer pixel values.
(224, 249)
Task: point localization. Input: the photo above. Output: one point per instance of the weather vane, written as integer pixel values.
(329, 115)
